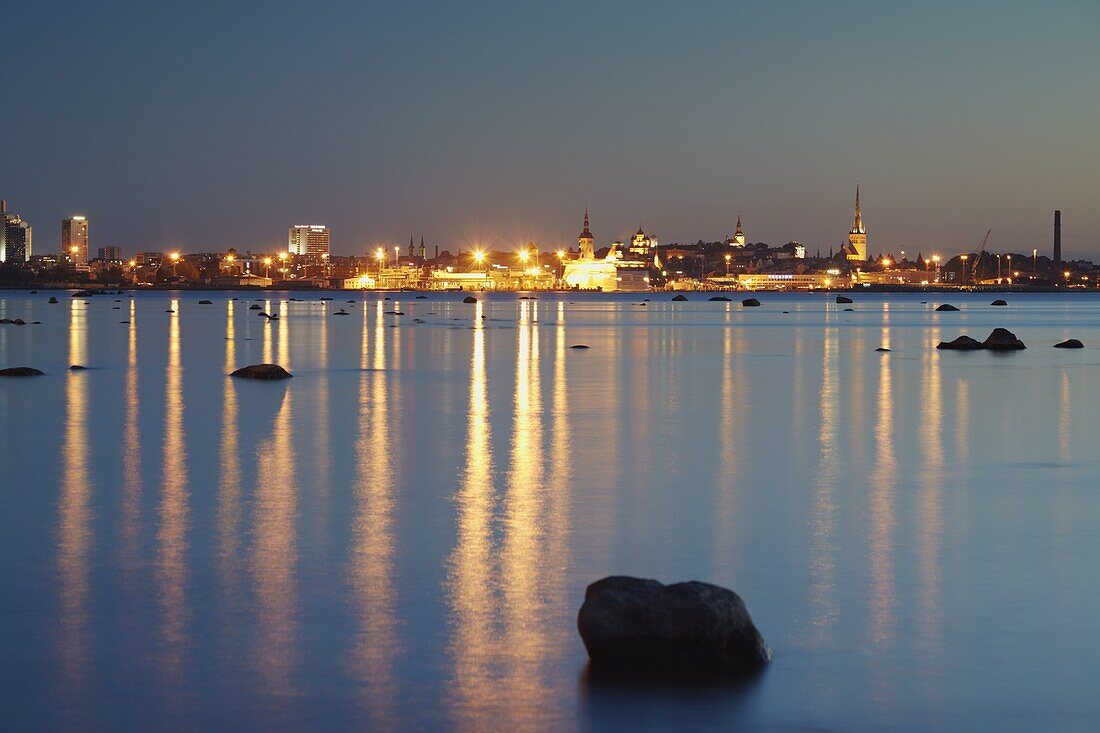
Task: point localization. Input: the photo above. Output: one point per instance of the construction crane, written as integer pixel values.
(968, 273)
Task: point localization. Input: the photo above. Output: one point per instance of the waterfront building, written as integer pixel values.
(609, 274)
(790, 281)
(309, 240)
(149, 259)
(74, 239)
(15, 237)
(738, 238)
(856, 249)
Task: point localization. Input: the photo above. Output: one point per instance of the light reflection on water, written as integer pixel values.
(401, 535)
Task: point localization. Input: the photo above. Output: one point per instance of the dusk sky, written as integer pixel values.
(222, 124)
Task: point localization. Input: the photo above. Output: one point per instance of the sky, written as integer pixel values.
(202, 126)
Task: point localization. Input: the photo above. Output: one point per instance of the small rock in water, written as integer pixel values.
(1069, 344)
(169, 310)
(962, 343)
(262, 371)
(882, 348)
(206, 302)
(720, 299)
(341, 313)
(579, 346)
(998, 302)
(76, 367)
(255, 307)
(1001, 339)
(467, 299)
(946, 307)
(843, 299)
(422, 297)
(750, 303)
(849, 310)
(21, 372)
(639, 626)
(679, 298)
(52, 299)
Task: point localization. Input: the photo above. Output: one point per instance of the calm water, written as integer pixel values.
(400, 536)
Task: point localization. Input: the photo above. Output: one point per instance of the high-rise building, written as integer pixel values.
(15, 237)
(1057, 260)
(586, 242)
(109, 254)
(74, 239)
(308, 240)
(857, 237)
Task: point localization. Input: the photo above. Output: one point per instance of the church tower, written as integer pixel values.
(738, 239)
(586, 241)
(857, 237)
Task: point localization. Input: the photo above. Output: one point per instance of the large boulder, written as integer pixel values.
(21, 372)
(467, 299)
(843, 299)
(1069, 344)
(750, 303)
(1001, 339)
(999, 302)
(947, 307)
(679, 298)
(962, 343)
(633, 624)
(262, 371)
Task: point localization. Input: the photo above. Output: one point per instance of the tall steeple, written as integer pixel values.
(739, 225)
(586, 241)
(857, 224)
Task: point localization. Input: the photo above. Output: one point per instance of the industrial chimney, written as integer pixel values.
(1057, 245)
(3, 206)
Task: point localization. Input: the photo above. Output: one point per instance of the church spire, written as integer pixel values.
(739, 225)
(857, 224)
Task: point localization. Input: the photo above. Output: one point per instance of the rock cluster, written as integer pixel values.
(1000, 339)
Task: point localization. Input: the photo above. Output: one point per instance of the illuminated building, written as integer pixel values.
(74, 239)
(15, 237)
(738, 238)
(609, 274)
(642, 245)
(856, 249)
(790, 281)
(586, 241)
(308, 240)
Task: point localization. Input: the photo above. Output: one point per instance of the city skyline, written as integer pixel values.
(494, 123)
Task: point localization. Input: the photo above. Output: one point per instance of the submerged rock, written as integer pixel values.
(843, 299)
(77, 368)
(679, 298)
(262, 371)
(882, 348)
(946, 307)
(643, 625)
(1001, 339)
(206, 302)
(579, 346)
(962, 343)
(720, 299)
(469, 299)
(21, 372)
(52, 300)
(1069, 344)
(341, 313)
(422, 297)
(998, 302)
(750, 302)
(255, 307)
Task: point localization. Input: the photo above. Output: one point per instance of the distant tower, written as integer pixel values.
(738, 239)
(857, 237)
(586, 241)
(1057, 245)
(422, 249)
(411, 250)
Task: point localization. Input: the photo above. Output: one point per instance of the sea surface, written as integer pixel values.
(399, 537)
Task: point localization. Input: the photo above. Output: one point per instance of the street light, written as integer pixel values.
(728, 258)
(267, 267)
(479, 257)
